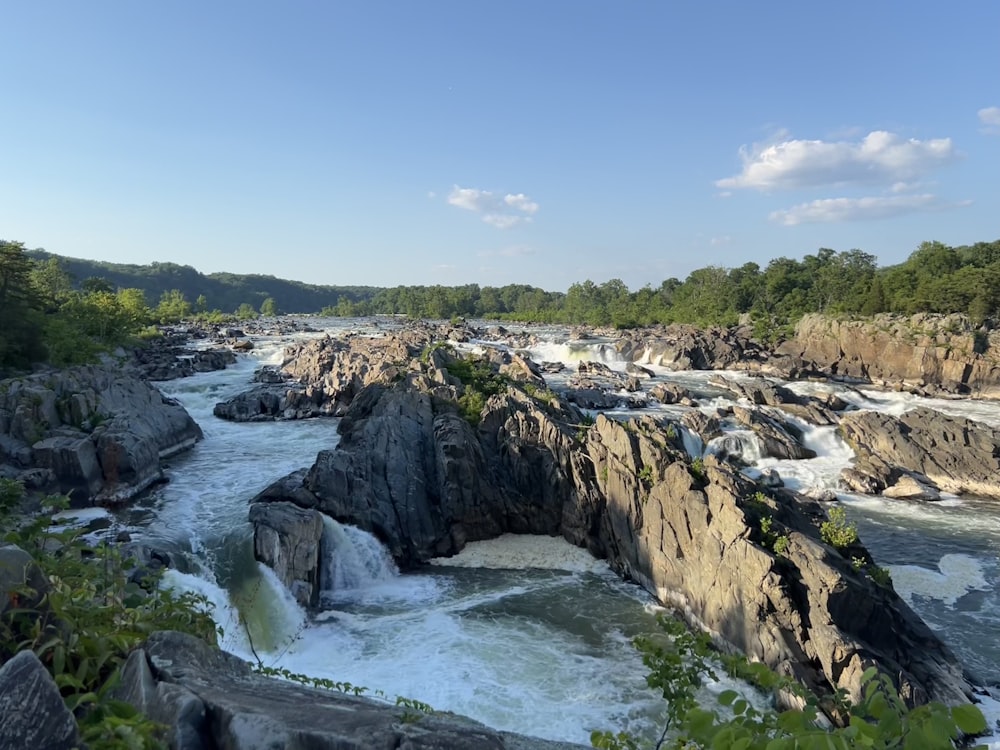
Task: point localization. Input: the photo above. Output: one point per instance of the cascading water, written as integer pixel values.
(353, 559)
(741, 445)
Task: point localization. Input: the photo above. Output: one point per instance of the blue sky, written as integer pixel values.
(543, 142)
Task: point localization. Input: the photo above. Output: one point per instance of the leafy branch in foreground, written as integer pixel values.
(680, 662)
(87, 620)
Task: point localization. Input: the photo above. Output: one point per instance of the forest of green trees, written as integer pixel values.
(65, 310)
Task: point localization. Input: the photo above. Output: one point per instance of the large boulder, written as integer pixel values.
(97, 433)
(287, 538)
(685, 347)
(34, 715)
(947, 453)
(207, 698)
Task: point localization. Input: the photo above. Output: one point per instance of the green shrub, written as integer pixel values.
(681, 662)
(838, 532)
(89, 621)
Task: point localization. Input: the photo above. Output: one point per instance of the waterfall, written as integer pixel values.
(352, 558)
(693, 444)
(740, 444)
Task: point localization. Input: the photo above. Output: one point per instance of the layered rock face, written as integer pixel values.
(923, 352)
(91, 432)
(921, 452)
(697, 541)
(413, 472)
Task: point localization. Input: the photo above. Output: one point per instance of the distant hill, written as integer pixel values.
(223, 291)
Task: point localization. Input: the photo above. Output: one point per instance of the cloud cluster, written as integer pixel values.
(500, 211)
(859, 209)
(879, 159)
(990, 118)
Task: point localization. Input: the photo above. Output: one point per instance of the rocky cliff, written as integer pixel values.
(924, 353)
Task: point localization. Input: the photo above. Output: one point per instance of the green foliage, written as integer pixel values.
(837, 531)
(269, 308)
(680, 662)
(935, 278)
(646, 474)
(480, 382)
(880, 575)
(697, 468)
(780, 545)
(245, 311)
(89, 621)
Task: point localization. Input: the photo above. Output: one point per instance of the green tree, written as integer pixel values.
(20, 309)
(269, 308)
(245, 311)
(173, 307)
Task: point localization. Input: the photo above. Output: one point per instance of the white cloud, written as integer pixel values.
(860, 209)
(502, 212)
(880, 158)
(990, 118)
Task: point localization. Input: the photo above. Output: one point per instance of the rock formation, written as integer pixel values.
(923, 353)
(921, 451)
(91, 432)
(426, 481)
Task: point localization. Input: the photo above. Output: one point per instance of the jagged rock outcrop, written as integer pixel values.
(923, 353)
(761, 392)
(95, 433)
(33, 711)
(210, 699)
(685, 347)
(426, 482)
(696, 541)
(944, 453)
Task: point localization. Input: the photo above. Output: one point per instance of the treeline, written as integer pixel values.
(47, 316)
(225, 291)
(935, 278)
(64, 310)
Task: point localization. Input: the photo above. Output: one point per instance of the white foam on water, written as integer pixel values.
(956, 576)
(509, 671)
(523, 551)
(76, 517)
(571, 353)
(693, 444)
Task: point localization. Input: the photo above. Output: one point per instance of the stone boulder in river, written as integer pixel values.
(947, 453)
